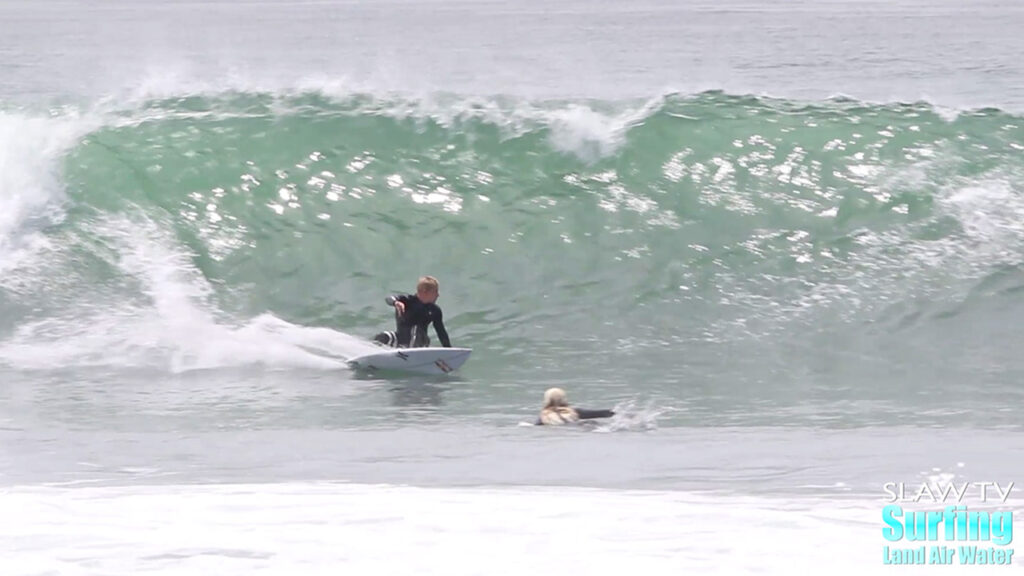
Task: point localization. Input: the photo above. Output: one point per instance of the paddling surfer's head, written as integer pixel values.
(556, 408)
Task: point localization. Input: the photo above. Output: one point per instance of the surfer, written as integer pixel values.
(413, 313)
(557, 411)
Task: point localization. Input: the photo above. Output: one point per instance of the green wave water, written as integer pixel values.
(835, 243)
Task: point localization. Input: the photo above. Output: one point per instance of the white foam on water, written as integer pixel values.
(178, 329)
(331, 529)
(591, 134)
(31, 193)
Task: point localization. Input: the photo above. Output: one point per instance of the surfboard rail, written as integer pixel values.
(417, 360)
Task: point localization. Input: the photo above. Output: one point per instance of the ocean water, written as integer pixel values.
(785, 241)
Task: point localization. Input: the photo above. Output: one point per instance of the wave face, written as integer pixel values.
(711, 234)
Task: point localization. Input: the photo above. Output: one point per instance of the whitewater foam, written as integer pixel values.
(321, 528)
(31, 192)
(178, 327)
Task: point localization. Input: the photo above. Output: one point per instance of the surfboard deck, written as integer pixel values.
(418, 360)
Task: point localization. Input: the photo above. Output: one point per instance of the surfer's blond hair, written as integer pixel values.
(428, 283)
(556, 408)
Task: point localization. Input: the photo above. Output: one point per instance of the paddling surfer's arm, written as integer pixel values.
(588, 414)
(585, 414)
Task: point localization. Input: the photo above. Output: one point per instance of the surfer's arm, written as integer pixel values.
(588, 414)
(392, 298)
(441, 332)
(399, 302)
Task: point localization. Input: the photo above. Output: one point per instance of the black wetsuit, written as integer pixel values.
(586, 414)
(412, 325)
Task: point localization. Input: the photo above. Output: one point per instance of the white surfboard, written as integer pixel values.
(418, 360)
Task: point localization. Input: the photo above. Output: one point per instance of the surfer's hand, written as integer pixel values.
(400, 308)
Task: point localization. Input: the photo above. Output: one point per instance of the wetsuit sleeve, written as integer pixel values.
(392, 298)
(588, 414)
(441, 332)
